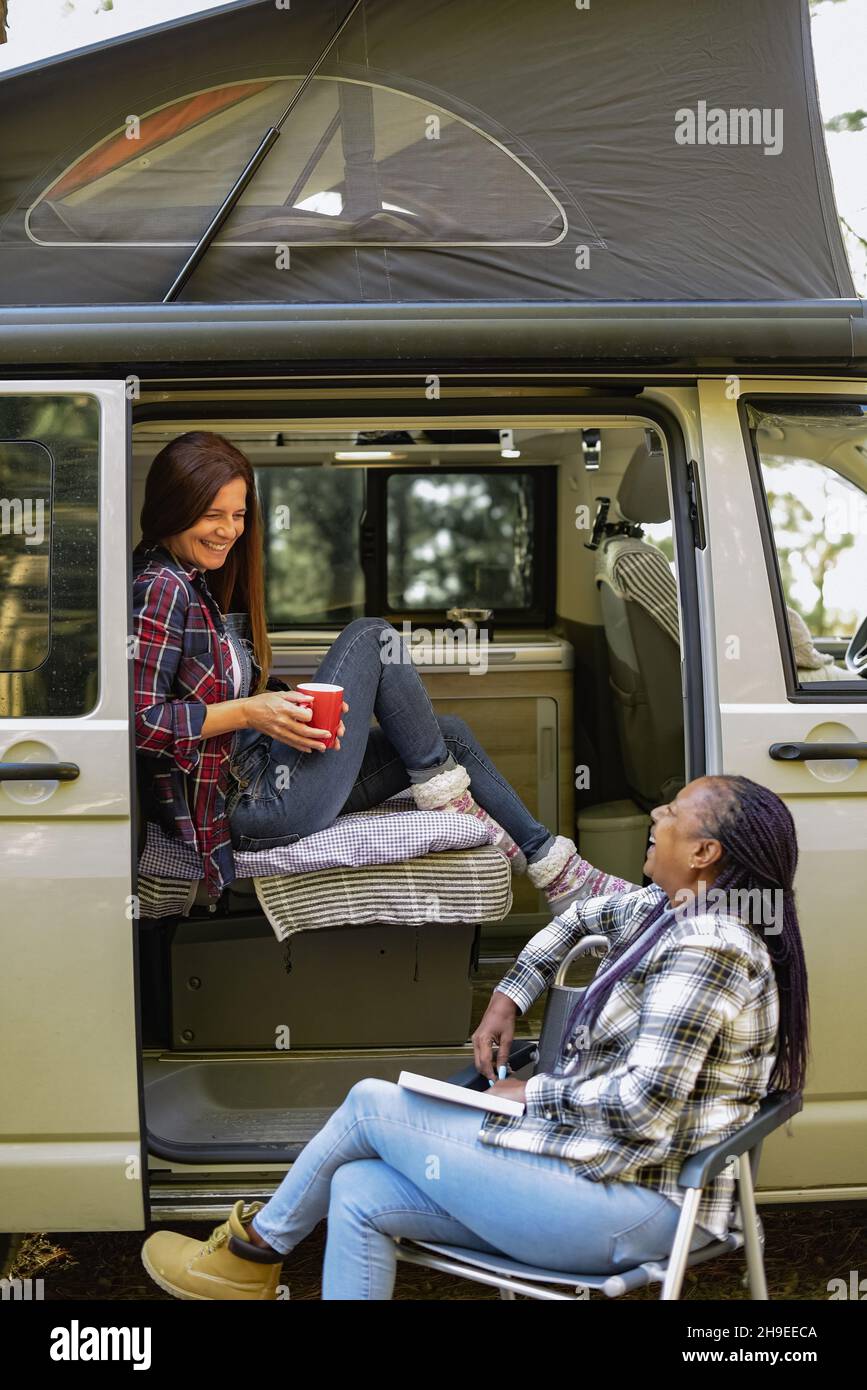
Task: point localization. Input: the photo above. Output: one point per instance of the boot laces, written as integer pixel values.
(220, 1234)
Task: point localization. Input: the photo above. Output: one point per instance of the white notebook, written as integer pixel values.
(445, 1090)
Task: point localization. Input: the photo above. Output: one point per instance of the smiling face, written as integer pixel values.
(681, 853)
(207, 543)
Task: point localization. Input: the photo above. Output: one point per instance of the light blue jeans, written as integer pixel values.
(390, 1162)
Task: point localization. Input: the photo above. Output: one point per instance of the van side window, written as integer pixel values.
(25, 525)
(813, 469)
(49, 495)
(661, 534)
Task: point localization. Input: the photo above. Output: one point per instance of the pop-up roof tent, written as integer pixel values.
(440, 150)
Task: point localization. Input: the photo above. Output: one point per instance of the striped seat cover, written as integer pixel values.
(390, 864)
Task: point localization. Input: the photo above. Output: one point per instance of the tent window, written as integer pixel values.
(356, 164)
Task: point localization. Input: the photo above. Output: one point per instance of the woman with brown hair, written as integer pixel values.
(224, 749)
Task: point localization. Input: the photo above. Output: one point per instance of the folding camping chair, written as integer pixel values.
(512, 1277)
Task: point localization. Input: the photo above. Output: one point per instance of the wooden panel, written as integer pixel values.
(500, 728)
(501, 711)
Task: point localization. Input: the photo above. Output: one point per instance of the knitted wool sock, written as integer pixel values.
(449, 791)
(565, 876)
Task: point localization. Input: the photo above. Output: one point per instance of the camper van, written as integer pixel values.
(611, 391)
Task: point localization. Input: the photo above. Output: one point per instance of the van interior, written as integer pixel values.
(563, 530)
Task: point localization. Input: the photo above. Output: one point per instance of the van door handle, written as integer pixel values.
(39, 772)
(816, 752)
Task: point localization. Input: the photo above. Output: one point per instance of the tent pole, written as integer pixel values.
(265, 144)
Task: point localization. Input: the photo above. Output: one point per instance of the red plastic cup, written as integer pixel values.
(327, 703)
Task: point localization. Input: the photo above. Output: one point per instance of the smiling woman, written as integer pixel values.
(222, 748)
(206, 542)
(201, 527)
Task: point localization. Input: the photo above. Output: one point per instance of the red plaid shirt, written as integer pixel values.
(182, 655)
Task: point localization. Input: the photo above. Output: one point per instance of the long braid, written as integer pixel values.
(757, 833)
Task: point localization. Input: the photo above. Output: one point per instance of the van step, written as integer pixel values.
(265, 1108)
(233, 1125)
(207, 1203)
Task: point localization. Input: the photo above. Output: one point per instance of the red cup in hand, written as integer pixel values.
(327, 703)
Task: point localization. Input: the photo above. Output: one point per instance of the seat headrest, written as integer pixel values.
(643, 494)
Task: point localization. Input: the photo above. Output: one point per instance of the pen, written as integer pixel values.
(502, 1074)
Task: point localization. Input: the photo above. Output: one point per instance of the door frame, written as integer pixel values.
(687, 528)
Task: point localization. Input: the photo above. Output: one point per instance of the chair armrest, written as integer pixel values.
(520, 1054)
(774, 1110)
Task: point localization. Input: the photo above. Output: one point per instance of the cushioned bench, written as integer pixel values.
(390, 864)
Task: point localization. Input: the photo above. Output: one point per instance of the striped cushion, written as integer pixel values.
(454, 886)
(165, 897)
(404, 866)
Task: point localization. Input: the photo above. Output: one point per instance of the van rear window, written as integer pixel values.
(463, 539)
(406, 525)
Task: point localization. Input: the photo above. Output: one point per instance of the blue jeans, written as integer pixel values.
(390, 1163)
(291, 793)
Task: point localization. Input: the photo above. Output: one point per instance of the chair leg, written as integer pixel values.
(507, 1293)
(752, 1242)
(680, 1249)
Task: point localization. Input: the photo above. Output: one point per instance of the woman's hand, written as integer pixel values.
(340, 728)
(512, 1088)
(286, 715)
(497, 1026)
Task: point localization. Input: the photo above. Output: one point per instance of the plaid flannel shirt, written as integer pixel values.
(182, 657)
(678, 1059)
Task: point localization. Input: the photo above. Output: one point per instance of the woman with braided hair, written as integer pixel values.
(698, 1010)
(757, 835)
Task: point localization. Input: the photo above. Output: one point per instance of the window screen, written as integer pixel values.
(460, 540)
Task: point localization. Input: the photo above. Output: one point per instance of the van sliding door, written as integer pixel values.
(70, 1155)
(785, 481)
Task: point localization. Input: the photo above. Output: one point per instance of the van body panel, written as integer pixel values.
(70, 1148)
(826, 1143)
(56, 1185)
